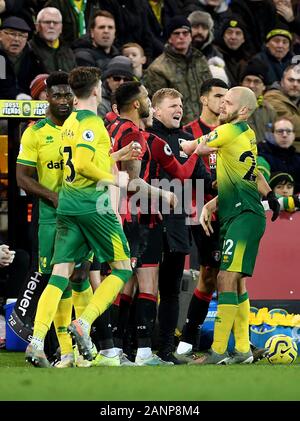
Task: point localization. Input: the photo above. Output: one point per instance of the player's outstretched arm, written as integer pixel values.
(199, 146)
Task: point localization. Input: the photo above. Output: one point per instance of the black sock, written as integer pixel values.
(120, 330)
(196, 315)
(170, 275)
(102, 335)
(145, 318)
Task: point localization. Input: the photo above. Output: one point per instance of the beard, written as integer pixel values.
(228, 118)
(198, 43)
(144, 112)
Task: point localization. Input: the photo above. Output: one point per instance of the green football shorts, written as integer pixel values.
(240, 237)
(78, 234)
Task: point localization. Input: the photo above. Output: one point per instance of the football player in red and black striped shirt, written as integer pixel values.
(133, 104)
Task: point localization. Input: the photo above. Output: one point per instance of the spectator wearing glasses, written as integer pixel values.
(47, 44)
(281, 155)
(118, 71)
(75, 14)
(180, 66)
(21, 64)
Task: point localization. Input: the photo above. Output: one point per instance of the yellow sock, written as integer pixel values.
(81, 294)
(241, 324)
(226, 313)
(47, 305)
(104, 295)
(62, 319)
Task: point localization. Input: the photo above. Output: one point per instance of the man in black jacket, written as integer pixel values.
(21, 64)
(97, 49)
(167, 104)
(47, 45)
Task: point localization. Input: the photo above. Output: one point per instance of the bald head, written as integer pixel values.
(245, 97)
(238, 105)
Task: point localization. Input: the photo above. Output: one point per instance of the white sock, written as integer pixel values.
(110, 352)
(184, 347)
(67, 356)
(119, 351)
(144, 352)
(37, 343)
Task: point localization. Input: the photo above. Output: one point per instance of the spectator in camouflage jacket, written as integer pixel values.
(180, 67)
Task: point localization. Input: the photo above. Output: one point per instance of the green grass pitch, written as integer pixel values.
(255, 382)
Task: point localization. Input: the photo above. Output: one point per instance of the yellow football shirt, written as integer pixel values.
(82, 129)
(236, 169)
(41, 148)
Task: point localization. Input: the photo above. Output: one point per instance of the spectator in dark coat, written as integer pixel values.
(75, 21)
(235, 48)
(261, 17)
(21, 63)
(46, 44)
(276, 53)
(280, 155)
(118, 71)
(159, 14)
(131, 22)
(96, 49)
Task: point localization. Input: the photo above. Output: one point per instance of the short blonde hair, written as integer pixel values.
(133, 44)
(163, 93)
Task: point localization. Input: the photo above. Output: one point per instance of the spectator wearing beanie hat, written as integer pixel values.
(118, 71)
(202, 33)
(235, 48)
(38, 87)
(218, 11)
(262, 16)
(21, 63)
(277, 52)
(261, 121)
(180, 66)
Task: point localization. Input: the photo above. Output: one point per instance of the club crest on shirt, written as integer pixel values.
(181, 153)
(88, 135)
(212, 136)
(216, 255)
(167, 150)
(212, 160)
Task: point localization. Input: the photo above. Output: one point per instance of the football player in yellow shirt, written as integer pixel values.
(85, 219)
(242, 221)
(40, 151)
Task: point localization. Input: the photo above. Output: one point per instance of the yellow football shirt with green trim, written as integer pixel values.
(83, 129)
(41, 148)
(236, 169)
